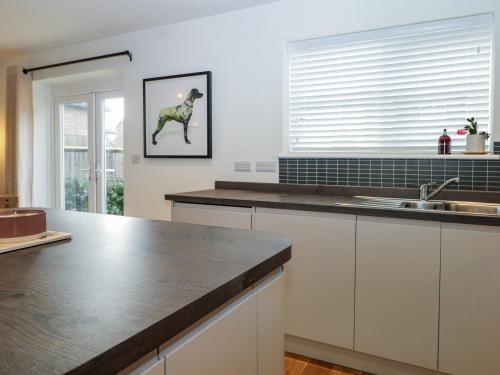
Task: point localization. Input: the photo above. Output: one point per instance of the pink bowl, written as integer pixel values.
(22, 225)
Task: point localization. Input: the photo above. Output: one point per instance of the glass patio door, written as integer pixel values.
(89, 152)
(109, 155)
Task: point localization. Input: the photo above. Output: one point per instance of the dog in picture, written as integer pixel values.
(181, 113)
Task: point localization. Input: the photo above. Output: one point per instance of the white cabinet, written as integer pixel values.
(157, 369)
(148, 365)
(271, 324)
(320, 275)
(392, 288)
(226, 344)
(245, 336)
(220, 216)
(470, 300)
(397, 289)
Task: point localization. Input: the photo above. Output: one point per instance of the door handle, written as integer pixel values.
(89, 173)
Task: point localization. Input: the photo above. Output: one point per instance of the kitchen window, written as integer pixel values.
(390, 90)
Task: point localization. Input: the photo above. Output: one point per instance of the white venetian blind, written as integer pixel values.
(391, 90)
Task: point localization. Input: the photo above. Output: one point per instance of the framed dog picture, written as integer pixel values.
(177, 116)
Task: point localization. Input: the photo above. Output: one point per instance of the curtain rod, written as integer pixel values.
(123, 53)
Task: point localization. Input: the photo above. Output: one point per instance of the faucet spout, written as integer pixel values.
(426, 197)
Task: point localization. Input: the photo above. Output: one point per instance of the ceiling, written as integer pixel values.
(32, 25)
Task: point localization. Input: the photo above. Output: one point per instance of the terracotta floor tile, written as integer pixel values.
(315, 369)
(294, 364)
(299, 365)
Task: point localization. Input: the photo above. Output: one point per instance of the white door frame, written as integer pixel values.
(59, 153)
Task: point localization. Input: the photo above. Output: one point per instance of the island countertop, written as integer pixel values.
(119, 289)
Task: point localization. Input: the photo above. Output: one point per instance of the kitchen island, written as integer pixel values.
(125, 293)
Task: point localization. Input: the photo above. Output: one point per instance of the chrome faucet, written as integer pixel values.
(424, 189)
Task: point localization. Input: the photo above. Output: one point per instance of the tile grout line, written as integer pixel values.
(305, 365)
(487, 186)
(473, 165)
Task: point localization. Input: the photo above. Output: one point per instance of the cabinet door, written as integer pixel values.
(148, 365)
(226, 346)
(320, 276)
(220, 216)
(470, 300)
(157, 369)
(271, 325)
(397, 289)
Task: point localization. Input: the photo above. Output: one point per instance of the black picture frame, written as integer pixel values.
(208, 154)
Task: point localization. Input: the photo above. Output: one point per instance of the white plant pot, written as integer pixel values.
(475, 143)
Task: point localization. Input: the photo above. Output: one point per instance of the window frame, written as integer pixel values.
(383, 31)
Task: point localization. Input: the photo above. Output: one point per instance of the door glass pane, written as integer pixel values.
(76, 156)
(113, 133)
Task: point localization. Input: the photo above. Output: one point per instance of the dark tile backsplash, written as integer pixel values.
(481, 175)
(496, 148)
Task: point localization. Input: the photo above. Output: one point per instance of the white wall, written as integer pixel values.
(245, 50)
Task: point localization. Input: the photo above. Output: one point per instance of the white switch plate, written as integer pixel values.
(242, 166)
(265, 166)
(136, 158)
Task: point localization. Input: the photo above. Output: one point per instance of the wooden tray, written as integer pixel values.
(51, 236)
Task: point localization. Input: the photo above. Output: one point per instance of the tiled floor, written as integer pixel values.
(299, 365)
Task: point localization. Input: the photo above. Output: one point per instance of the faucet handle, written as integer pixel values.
(424, 190)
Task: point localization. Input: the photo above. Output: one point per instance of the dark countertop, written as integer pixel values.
(119, 289)
(334, 199)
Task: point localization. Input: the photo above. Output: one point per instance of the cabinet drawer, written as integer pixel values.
(8, 201)
(220, 216)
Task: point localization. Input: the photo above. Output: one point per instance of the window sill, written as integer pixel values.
(386, 156)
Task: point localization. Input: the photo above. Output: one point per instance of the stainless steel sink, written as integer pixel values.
(472, 208)
(455, 206)
(424, 205)
(362, 200)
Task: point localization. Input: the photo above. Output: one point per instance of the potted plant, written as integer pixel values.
(475, 142)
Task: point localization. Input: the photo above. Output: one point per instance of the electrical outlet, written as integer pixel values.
(265, 166)
(242, 166)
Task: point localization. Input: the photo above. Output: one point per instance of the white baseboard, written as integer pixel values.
(352, 359)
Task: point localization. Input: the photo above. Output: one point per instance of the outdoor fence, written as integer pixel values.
(76, 164)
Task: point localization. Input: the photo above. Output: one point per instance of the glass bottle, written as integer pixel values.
(444, 144)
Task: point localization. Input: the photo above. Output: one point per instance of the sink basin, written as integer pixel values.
(453, 206)
(424, 205)
(473, 208)
(381, 202)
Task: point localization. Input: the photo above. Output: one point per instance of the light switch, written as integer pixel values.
(136, 158)
(265, 166)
